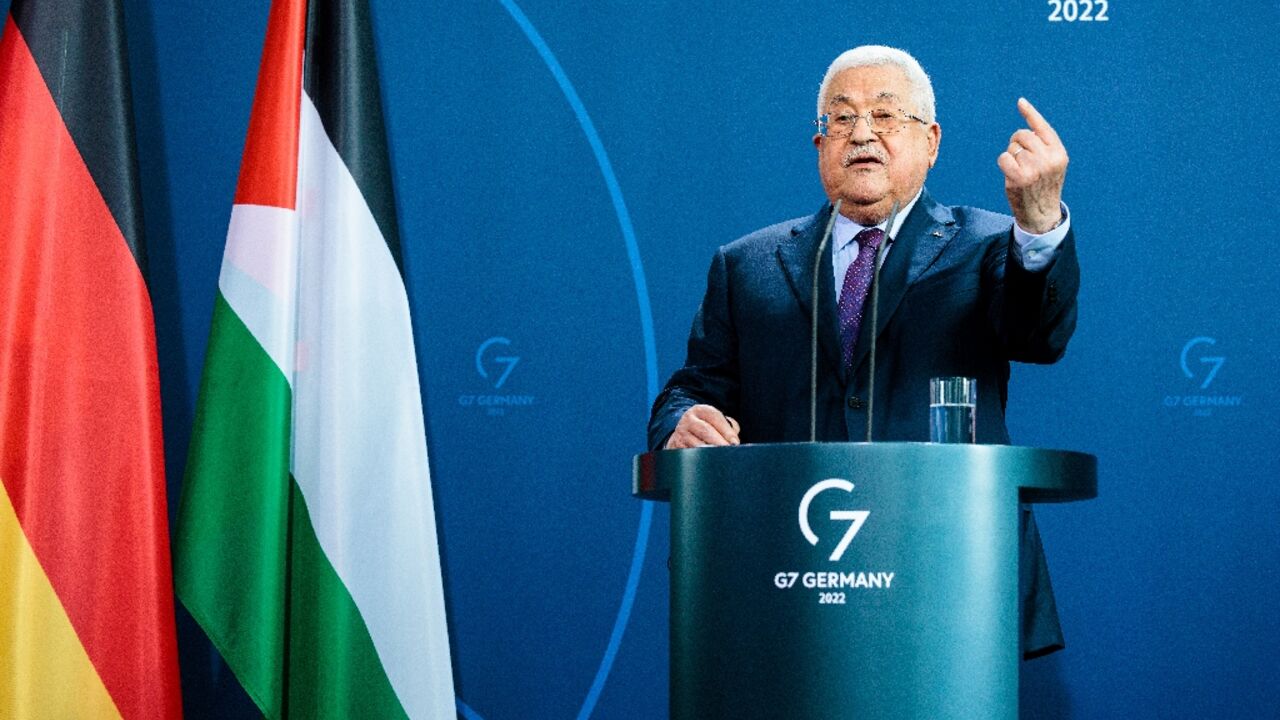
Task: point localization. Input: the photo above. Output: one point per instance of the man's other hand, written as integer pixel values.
(703, 425)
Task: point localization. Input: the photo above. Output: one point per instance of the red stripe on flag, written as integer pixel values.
(81, 452)
(269, 170)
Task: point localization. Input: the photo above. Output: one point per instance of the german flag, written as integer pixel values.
(86, 604)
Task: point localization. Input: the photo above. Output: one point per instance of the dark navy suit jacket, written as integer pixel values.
(954, 301)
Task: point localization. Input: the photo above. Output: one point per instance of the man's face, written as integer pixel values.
(869, 170)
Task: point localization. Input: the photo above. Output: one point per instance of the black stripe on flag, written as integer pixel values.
(80, 49)
(341, 77)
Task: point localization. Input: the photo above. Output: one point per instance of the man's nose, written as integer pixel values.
(861, 133)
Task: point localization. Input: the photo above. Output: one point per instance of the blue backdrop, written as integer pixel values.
(564, 172)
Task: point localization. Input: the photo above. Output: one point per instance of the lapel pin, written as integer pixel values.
(937, 233)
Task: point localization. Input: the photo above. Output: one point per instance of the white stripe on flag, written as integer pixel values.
(360, 455)
(260, 276)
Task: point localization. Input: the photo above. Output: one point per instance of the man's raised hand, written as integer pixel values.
(1034, 167)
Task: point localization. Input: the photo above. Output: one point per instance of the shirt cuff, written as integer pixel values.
(1036, 252)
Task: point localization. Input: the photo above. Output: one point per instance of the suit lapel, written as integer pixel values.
(924, 235)
(796, 255)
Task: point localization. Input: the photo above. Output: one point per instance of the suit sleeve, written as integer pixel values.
(1034, 313)
(710, 373)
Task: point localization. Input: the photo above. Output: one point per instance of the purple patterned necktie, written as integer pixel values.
(853, 294)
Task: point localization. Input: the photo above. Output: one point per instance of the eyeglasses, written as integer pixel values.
(882, 121)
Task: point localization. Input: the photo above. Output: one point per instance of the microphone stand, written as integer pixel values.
(813, 335)
(875, 317)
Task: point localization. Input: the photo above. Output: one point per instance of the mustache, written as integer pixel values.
(865, 152)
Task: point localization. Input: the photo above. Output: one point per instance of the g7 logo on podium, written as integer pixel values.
(856, 518)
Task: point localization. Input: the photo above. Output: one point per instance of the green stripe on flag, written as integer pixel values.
(230, 543)
(258, 583)
(334, 671)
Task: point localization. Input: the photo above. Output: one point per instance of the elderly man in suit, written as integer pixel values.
(963, 292)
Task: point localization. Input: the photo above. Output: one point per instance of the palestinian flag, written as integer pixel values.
(86, 597)
(306, 537)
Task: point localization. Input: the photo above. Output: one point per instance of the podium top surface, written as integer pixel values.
(1040, 475)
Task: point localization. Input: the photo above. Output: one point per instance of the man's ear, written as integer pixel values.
(935, 141)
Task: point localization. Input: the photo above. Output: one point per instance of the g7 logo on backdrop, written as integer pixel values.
(856, 518)
(494, 362)
(505, 363)
(1213, 362)
(1201, 364)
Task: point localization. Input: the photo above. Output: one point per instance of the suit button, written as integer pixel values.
(855, 403)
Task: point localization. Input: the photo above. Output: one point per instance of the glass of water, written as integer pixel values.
(953, 408)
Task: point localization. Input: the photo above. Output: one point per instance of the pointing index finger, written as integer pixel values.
(1036, 121)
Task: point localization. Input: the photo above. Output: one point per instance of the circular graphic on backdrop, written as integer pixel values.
(627, 600)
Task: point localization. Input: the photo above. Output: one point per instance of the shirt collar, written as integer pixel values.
(846, 230)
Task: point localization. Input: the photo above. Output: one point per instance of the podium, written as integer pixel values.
(828, 581)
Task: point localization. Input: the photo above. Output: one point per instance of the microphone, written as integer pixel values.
(813, 335)
(875, 315)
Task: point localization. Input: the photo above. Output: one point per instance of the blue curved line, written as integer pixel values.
(624, 612)
(615, 191)
(465, 711)
(646, 326)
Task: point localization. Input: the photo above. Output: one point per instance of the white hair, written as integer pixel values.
(871, 55)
